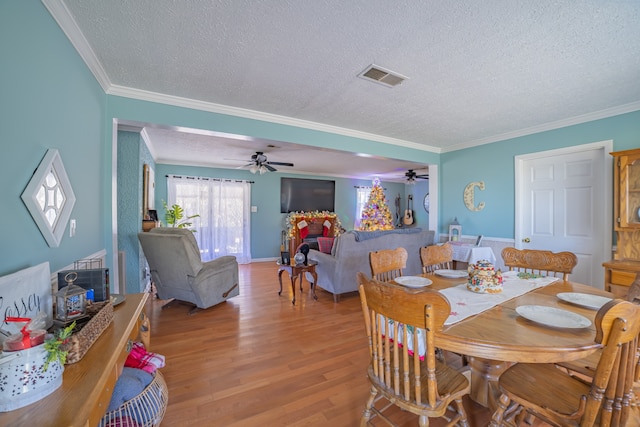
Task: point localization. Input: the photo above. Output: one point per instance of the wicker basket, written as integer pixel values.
(145, 410)
(79, 343)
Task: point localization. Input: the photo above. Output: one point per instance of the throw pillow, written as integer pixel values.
(325, 244)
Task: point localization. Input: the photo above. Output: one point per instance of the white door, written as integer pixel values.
(563, 203)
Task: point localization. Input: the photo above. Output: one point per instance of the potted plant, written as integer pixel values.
(175, 216)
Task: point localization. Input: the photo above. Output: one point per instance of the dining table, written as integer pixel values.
(497, 336)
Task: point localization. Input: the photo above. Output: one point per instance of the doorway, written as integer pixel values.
(563, 202)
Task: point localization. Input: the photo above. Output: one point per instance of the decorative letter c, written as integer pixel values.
(468, 196)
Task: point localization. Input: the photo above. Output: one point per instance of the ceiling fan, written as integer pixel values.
(412, 176)
(259, 163)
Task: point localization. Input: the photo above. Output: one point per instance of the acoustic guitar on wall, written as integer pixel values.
(408, 214)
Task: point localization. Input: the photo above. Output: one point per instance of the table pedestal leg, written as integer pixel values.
(484, 380)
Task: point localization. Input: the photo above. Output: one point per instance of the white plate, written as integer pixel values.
(452, 274)
(554, 317)
(413, 281)
(594, 302)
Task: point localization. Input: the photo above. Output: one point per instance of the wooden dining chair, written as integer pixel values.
(436, 257)
(403, 369)
(546, 263)
(387, 264)
(554, 396)
(586, 367)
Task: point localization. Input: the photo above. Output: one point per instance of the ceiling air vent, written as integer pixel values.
(382, 76)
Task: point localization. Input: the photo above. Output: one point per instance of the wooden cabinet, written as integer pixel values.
(621, 271)
(619, 275)
(88, 384)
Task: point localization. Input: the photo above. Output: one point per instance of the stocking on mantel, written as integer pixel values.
(303, 226)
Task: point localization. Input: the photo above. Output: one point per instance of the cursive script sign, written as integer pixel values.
(25, 293)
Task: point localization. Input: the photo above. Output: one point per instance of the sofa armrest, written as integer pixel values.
(321, 257)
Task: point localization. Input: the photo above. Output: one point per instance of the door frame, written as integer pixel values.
(606, 161)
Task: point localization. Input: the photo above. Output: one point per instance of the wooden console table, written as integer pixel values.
(87, 385)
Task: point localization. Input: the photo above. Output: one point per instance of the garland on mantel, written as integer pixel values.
(293, 218)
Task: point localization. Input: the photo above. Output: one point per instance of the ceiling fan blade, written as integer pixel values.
(240, 160)
(244, 166)
(280, 164)
(272, 169)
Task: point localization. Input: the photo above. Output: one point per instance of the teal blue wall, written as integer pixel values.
(133, 153)
(48, 99)
(267, 223)
(494, 164)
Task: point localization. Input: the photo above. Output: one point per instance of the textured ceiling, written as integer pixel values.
(478, 71)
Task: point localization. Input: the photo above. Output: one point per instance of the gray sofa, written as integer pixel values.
(350, 254)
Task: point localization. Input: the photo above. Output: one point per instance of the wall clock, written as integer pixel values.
(468, 196)
(426, 202)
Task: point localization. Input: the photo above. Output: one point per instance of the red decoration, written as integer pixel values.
(326, 226)
(304, 229)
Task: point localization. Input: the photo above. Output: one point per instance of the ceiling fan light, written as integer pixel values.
(263, 170)
(253, 169)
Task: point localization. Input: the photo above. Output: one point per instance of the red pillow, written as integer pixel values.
(325, 244)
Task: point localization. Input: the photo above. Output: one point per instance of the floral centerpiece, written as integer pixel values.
(484, 279)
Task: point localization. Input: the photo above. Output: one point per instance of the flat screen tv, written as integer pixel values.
(298, 194)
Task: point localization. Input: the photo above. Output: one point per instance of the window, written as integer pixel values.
(362, 197)
(223, 226)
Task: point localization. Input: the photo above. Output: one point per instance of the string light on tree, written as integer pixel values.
(376, 214)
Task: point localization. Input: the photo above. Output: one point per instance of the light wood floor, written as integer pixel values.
(258, 360)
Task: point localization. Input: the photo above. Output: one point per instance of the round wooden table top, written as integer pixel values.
(501, 334)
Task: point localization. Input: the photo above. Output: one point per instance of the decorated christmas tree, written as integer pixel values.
(376, 214)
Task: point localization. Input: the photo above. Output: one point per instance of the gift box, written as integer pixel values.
(31, 332)
(21, 342)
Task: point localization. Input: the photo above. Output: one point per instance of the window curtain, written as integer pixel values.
(223, 226)
(362, 197)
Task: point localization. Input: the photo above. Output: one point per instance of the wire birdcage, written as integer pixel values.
(145, 410)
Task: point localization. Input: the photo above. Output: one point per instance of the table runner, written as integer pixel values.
(465, 303)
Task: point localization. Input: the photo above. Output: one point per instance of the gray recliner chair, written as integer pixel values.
(178, 272)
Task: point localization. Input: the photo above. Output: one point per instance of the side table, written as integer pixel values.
(295, 271)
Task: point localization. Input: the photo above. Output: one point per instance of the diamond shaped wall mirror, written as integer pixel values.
(49, 198)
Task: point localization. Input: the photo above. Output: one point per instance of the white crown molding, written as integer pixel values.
(602, 114)
(65, 20)
(177, 101)
(68, 25)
